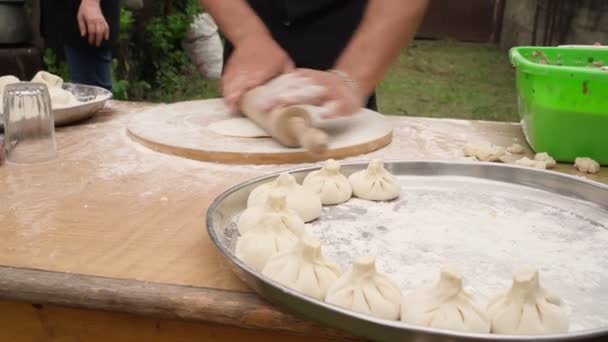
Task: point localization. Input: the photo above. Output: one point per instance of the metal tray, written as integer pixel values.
(564, 218)
(91, 98)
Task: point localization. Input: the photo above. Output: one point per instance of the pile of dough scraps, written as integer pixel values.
(275, 241)
(485, 151)
(59, 97)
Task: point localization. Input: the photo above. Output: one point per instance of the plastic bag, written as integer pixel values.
(204, 46)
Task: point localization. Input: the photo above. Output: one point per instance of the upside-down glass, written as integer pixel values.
(29, 128)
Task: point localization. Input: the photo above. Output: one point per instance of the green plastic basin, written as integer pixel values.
(563, 100)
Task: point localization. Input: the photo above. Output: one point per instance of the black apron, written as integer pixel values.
(312, 32)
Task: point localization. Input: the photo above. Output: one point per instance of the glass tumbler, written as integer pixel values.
(29, 127)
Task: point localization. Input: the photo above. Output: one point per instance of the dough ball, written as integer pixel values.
(538, 164)
(483, 151)
(375, 183)
(51, 81)
(329, 184)
(365, 290)
(304, 268)
(267, 238)
(301, 200)
(237, 127)
(545, 157)
(587, 165)
(6, 80)
(61, 97)
(527, 309)
(445, 305)
(275, 206)
(515, 149)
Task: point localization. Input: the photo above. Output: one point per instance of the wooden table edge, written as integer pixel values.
(157, 300)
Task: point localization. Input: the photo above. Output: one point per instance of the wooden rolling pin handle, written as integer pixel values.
(310, 138)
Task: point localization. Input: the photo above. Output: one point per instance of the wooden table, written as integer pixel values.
(108, 242)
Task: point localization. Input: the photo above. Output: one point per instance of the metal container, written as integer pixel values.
(14, 27)
(572, 203)
(91, 98)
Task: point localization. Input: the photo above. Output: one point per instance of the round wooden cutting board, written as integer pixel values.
(180, 129)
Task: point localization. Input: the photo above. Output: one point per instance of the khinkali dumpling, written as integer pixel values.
(527, 309)
(363, 289)
(304, 268)
(375, 183)
(445, 305)
(61, 97)
(276, 205)
(51, 81)
(301, 200)
(267, 238)
(331, 186)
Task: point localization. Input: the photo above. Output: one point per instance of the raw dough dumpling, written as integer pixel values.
(51, 81)
(237, 127)
(304, 268)
(6, 80)
(525, 161)
(527, 309)
(301, 200)
(331, 186)
(276, 205)
(375, 183)
(545, 157)
(587, 165)
(363, 289)
(445, 305)
(515, 149)
(268, 238)
(61, 97)
(483, 151)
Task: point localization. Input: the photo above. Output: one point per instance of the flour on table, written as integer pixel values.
(238, 127)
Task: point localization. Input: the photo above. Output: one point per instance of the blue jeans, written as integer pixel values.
(90, 66)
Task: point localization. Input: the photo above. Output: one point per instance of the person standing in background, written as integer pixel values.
(86, 29)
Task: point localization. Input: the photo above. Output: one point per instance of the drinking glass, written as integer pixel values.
(29, 128)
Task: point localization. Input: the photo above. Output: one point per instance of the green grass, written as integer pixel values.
(450, 79)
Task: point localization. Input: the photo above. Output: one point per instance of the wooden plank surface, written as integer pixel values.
(22, 322)
(108, 207)
(163, 301)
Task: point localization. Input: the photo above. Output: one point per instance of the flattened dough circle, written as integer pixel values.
(237, 127)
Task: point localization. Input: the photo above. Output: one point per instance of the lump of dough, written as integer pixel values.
(445, 305)
(365, 290)
(301, 200)
(276, 205)
(375, 183)
(545, 157)
(483, 151)
(538, 164)
(331, 186)
(61, 97)
(6, 80)
(266, 239)
(527, 309)
(51, 81)
(237, 127)
(587, 165)
(304, 268)
(515, 149)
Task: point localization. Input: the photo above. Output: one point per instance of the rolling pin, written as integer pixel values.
(290, 126)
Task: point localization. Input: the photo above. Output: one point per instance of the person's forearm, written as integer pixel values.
(387, 26)
(236, 19)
